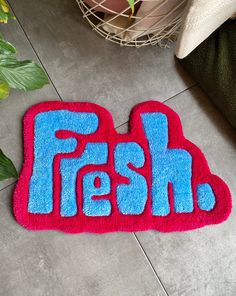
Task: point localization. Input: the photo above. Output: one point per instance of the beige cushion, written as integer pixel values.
(201, 18)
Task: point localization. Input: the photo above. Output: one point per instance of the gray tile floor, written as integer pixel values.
(84, 67)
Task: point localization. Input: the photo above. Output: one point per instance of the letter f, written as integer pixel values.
(47, 145)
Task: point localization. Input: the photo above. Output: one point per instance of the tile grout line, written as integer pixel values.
(172, 97)
(121, 124)
(9, 185)
(182, 91)
(35, 52)
(151, 265)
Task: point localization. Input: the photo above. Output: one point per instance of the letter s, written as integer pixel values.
(131, 198)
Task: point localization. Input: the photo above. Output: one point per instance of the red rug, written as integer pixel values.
(80, 175)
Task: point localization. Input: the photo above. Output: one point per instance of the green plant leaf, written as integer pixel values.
(7, 168)
(131, 4)
(6, 47)
(3, 16)
(4, 6)
(8, 59)
(24, 75)
(4, 90)
(5, 13)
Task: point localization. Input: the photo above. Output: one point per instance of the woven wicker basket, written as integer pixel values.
(160, 30)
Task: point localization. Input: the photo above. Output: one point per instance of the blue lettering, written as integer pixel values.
(46, 146)
(168, 165)
(131, 198)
